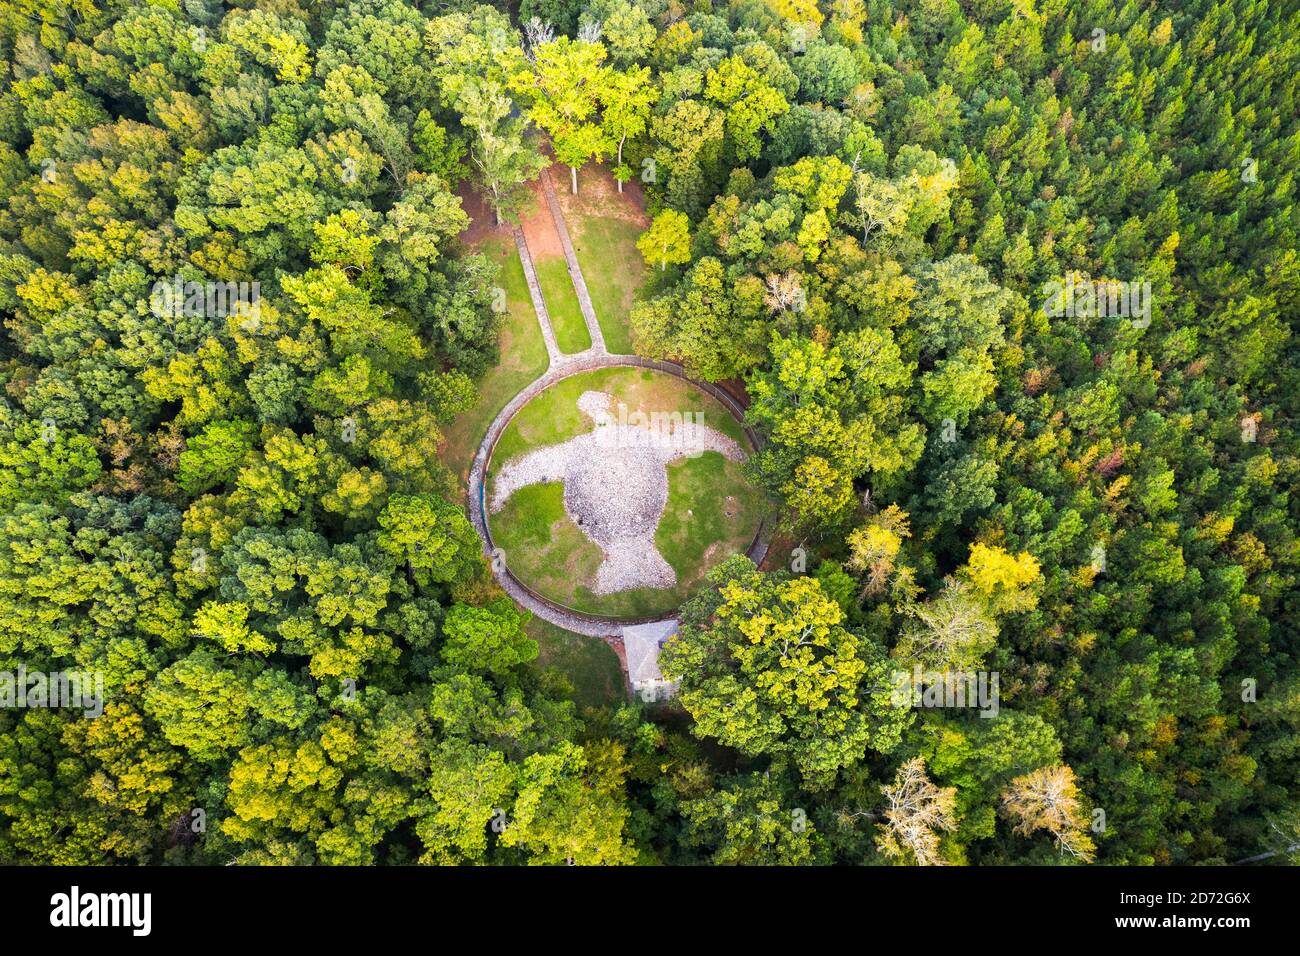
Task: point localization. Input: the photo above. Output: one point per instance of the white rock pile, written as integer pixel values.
(616, 484)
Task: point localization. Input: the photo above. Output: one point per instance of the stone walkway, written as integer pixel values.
(575, 271)
(561, 367)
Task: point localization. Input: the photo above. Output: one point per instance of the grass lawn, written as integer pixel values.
(712, 512)
(523, 358)
(590, 665)
(553, 416)
(543, 547)
(571, 333)
(604, 225)
(612, 266)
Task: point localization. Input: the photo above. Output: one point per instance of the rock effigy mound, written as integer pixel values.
(616, 483)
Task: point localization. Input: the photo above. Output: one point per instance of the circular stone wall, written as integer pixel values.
(615, 490)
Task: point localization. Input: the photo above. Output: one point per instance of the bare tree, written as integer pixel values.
(785, 293)
(1048, 799)
(536, 33)
(916, 812)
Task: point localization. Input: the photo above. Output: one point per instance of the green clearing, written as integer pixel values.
(542, 545)
(553, 416)
(588, 663)
(612, 266)
(571, 333)
(523, 358)
(712, 512)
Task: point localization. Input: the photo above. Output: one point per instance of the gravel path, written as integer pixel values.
(575, 271)
(561, 367)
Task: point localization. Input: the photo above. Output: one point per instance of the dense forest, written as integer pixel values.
(1010, 287)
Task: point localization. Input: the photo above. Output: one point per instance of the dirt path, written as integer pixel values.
(539, 303)
(598, 195)
(538, 224)
(575, 270)
(482, 221)
(544, 233)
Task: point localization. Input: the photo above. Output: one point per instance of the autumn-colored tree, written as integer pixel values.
(1003, 578)
(874, 547)
(1049, 799)
(916, 815)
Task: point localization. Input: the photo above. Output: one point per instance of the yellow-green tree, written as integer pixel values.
(766, 666)
(626, 99)
(1003, 578)
(667, 241)
(566, 85)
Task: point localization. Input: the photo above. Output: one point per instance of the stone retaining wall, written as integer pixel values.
(568, 618)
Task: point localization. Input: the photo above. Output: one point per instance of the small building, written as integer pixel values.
(641, 643)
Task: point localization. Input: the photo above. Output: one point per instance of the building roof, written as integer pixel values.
(641, 643)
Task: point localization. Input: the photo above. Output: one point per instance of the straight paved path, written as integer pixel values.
(561, 366)
(575, 270)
